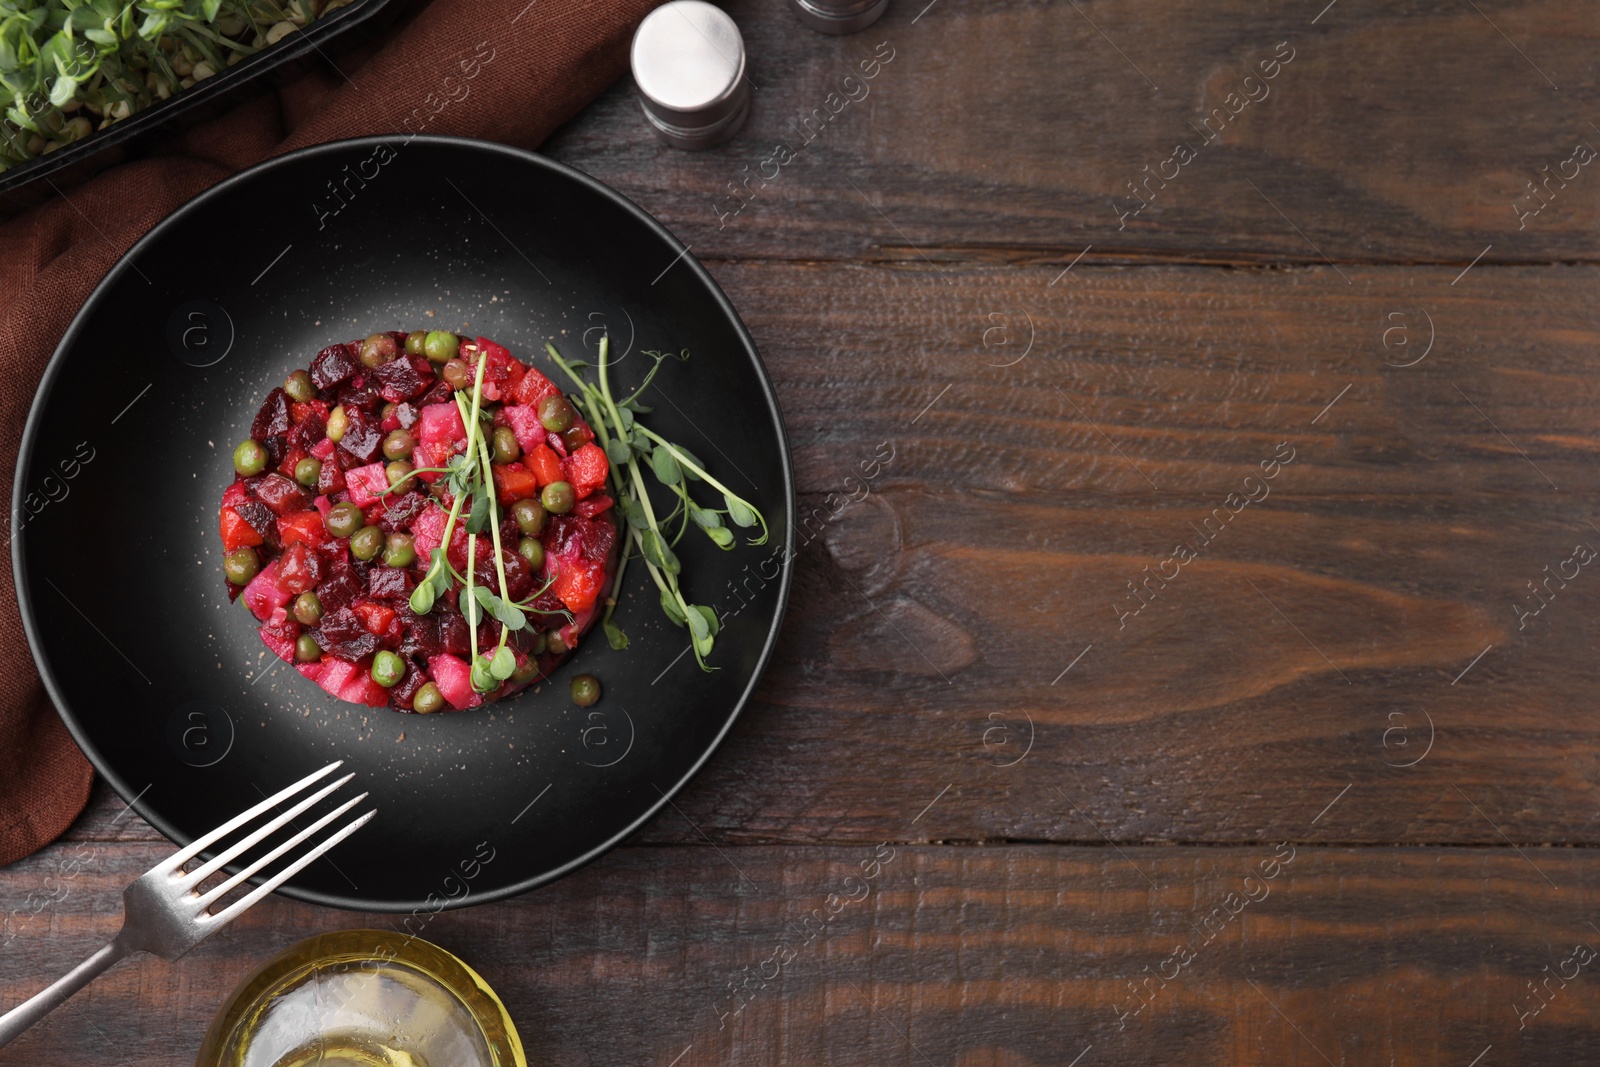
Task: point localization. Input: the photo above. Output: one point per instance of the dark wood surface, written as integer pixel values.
(1070, 789)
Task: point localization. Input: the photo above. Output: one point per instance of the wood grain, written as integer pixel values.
(1019, 956)
(1009, 131)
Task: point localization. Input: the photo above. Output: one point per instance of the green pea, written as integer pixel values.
(306, 649)
(300, 387)
(414, 341)
(428, 700)
(556, 414)
(307, 609)
(388, 409)
(344, 519)
(398, 471)
(457, 375)
(440, 346)
(399, 444)
(338, 422)
(249, 458)
(585, 690)
(378, 350)
(532, 551)
(525, 673)
(506, 449)
(387, 668)
(539, 643)
(400, 550)
(554, 645)
(307, 471)
(241, 565)
(530, 516)
(367, 542)
(558, 498)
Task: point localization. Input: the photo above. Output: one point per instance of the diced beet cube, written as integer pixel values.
(519, 576)
(262, 595)
(281, 495)
(343, 634)
(323, 448)
(366, 484)
(310, 670)
(404, 692)
(273, 418)
(402, 379)
(361, 689)
(440, 423)
(524, 423)
(356, 396)
(298, 569)
(279, 633)
(598, 504)
(397, 514)
(261, 520)
(340, 585)
(438, 393)
(301, 410)
(277, 447)
(453, 636)
(598, 536)
(236, 493)
(362, 437)
(305, 436)
(454, 679)
(388, 582)
(334, 364)
(421, 636)
(331, 480)
(335, 673)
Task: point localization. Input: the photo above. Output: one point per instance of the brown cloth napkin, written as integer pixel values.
(550, 58)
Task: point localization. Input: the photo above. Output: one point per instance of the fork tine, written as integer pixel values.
(232, 911)
(216, 863)
(184, 855)
(216, 894)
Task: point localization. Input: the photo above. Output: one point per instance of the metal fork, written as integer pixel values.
(164, 913)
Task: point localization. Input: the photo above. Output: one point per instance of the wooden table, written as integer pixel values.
(1318, 787)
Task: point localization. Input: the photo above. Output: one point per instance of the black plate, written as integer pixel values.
(167, 687)
(325, 40)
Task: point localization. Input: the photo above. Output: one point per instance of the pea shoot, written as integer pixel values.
(632, 447)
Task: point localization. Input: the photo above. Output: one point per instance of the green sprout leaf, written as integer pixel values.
(614, 636)
(478, 517)
(721, 535)
(504, 664)
(670, 606)
(666, 467)
(483, 679)
(422, 598)
(739, 513)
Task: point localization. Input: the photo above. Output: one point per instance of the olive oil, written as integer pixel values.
(363, 998)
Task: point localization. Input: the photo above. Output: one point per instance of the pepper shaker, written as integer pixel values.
(839, 16)
(688, 61)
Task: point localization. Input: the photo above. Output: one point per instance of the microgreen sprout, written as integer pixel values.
(631, 447)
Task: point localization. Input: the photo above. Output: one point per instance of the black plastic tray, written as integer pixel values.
(335, 32)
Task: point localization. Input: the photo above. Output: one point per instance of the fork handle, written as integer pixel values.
(30, 1011)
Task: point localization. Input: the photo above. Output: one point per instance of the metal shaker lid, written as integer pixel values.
(688, 60)
(839, 16)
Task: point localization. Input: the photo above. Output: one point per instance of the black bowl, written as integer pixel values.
(167, 687)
